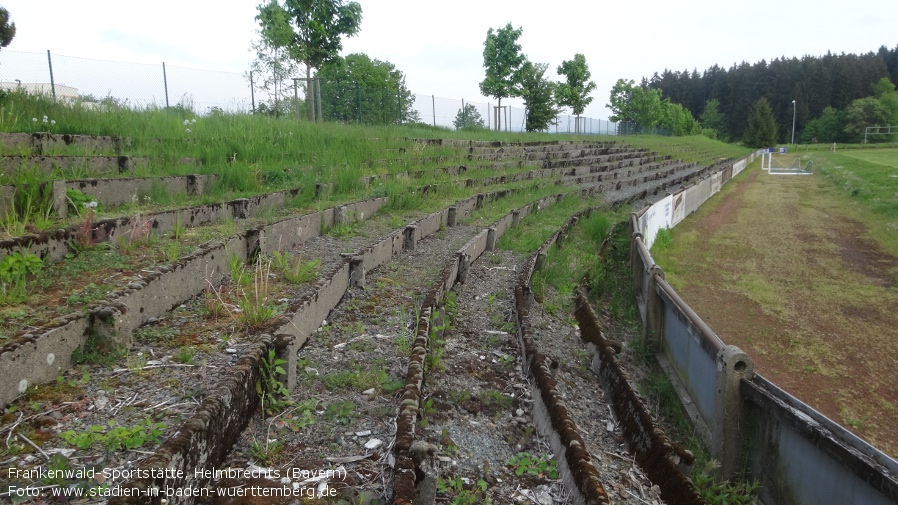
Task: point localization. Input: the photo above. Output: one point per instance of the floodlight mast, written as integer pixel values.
(794, 109)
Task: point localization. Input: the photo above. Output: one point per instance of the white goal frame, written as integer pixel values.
(880, 130)
(771, 165)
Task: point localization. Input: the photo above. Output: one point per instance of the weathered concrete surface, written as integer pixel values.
(802, 458)
(203, 441)
(52, 246)
(115, 192)
(654, 452)
(41, 356)
(93, 164)
(42, 143)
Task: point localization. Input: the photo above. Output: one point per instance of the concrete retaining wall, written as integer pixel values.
(798, 455)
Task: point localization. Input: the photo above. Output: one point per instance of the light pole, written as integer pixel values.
(794, 108)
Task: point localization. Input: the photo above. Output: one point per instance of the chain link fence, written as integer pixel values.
(138, 85)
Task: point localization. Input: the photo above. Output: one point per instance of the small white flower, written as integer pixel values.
(52, 121)
(187, 130)
(186, 122)
(45, 119)
(193, 121)
(34, 120)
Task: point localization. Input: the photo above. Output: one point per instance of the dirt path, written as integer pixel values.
(776, 267)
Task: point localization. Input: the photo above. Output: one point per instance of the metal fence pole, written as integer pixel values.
(165, 80)
(434, 105)
(464, 113)
(52, 83)
(252, 94)
(318, 95)
(296, 97)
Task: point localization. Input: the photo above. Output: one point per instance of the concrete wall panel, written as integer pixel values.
(41, 357)
(287, 234)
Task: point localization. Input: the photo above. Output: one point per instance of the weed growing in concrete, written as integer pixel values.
(455, 488)
(525, 463)
(178, 230)
(723, 492)
(340, 412)
(14, 271)
(295, 271)
(267, 452)
(114, 438)
(237, 269)
(185, 355)
(270, 388)
(254, 306)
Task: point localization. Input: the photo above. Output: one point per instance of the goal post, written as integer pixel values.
(779, 161)
(880, 130)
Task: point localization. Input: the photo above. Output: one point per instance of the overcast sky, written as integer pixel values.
(438, 46)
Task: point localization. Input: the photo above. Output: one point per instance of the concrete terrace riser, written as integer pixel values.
(36, 144)
(378, 254)
(53, 246)
(113, 192)
(292, 331)
(45, 165)
(404, 478)
(42, 356)
(305, 319)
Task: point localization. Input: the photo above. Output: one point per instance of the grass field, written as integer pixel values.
(802, 273)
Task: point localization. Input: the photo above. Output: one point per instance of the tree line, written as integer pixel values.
(835, 96)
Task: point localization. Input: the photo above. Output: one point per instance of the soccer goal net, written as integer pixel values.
(781, 162)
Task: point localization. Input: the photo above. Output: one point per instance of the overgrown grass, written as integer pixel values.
(870, 178)
(697, 148)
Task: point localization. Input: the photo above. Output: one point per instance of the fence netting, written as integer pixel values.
(90, 81)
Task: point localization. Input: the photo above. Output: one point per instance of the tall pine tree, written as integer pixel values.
(761, 131)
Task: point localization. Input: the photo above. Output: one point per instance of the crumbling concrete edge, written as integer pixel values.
(405, 477)
(54, 245)
(549, 413)
(39, 356)
(654, 452)
(205, 439)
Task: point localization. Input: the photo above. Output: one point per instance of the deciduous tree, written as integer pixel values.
(468, 118)
(538, 93)
(827, 128)
(273, 66)
(502, 59)
(7, 29)
(632, 103)
(862, 113)
(317, 28)
(359, 89)
(575, 90)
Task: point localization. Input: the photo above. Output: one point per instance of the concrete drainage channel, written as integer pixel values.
(221, 415)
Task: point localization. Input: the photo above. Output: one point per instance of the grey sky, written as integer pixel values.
(438, 46)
